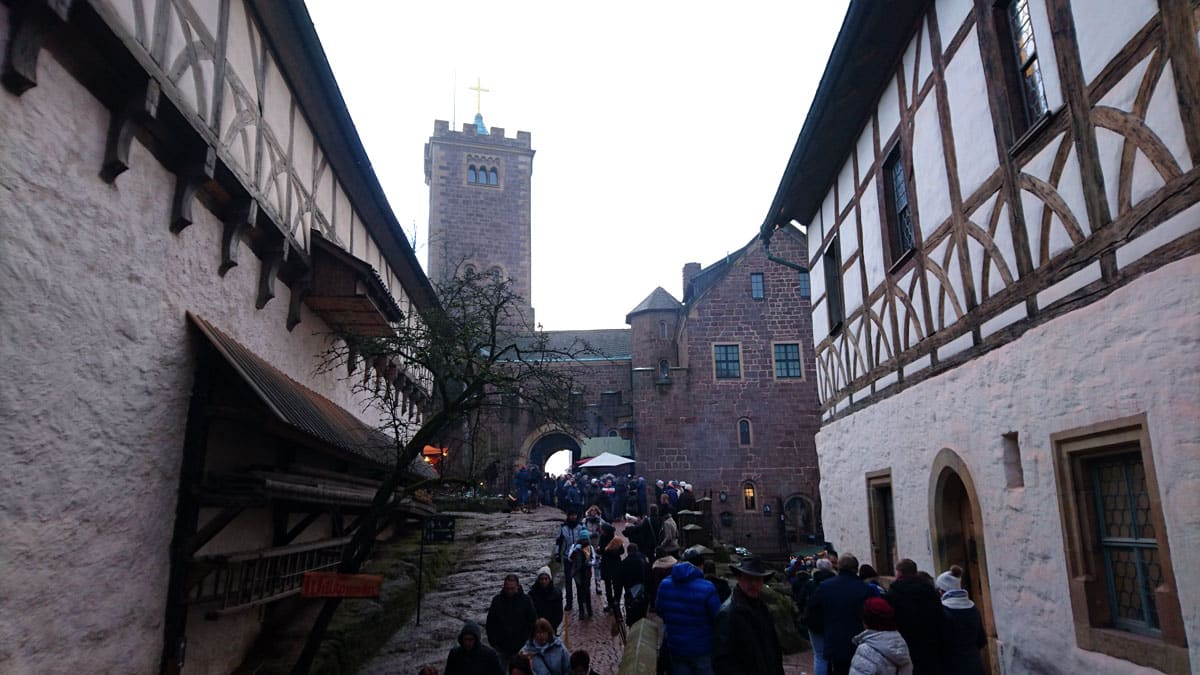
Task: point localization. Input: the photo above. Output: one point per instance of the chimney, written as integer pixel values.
(690, 270)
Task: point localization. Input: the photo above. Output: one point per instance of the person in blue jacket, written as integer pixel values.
(688, 605)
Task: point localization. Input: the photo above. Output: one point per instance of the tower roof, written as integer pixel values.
(658, 300)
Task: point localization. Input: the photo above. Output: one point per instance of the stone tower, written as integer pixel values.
(479, 204)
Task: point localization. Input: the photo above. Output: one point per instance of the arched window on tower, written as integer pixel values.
(468, 271)
(495, 274)
(744, 437)
(749, 496)
(662, 330)
(471, 174)
(493, 177)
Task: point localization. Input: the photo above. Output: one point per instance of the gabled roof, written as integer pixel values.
(710, 275)
(658, 300)
(872, 38)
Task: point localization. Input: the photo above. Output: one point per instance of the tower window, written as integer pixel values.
(471, 176)
(744, 432)
(805, 285)
(749, 496)
(493, 177)
(787, 360)
(664, 369)
(728, 361)
(756, 286)
(662, 330)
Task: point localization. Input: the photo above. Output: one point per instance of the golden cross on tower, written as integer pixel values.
(479, 90)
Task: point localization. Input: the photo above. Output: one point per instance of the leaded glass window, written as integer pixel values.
(899, 208)
(756, 286)
(805, 285)
(1128, 541)
(728, 361)
(1029, 72)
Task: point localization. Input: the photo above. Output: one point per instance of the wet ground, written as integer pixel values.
(498, 544)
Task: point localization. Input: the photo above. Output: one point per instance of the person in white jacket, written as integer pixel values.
(881, 650)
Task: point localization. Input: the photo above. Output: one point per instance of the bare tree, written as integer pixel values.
(473, 353)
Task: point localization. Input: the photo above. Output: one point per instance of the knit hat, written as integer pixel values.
(877, 614)
(946, 581)
(545, 570)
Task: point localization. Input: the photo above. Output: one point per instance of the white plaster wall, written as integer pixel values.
(889, 111)
(950, 16)
(970, 117)
(98, 371)
(1103, 27)
(1136, 351)
(929, 169)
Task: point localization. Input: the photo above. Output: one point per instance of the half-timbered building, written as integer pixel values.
(187, 220)
(1001, 206)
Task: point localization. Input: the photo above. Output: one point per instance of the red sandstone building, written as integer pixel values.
(718, 390)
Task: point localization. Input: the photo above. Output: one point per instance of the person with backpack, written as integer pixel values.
(581, 555)
(568, 533)
(634, 573)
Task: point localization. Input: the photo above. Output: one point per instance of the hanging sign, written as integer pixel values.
(335, 585)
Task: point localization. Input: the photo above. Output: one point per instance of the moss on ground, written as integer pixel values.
(361, 627)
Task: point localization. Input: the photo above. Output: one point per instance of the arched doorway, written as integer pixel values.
(957, 533)
(550, 443)
(800, 520)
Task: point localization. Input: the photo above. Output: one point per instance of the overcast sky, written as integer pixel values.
(661, 128)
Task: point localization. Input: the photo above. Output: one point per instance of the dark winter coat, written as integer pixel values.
(745, 642)
(634, 570)
(835, 611)
(509, 622)
(547, 603)
(803, 596)
(610, 559)
(962, 635)
(481, 660)
(688, 605)
(919, 620)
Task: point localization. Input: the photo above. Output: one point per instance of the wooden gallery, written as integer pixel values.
(187, 217)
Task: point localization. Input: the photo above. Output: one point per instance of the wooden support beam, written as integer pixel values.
(213, 527)
(272, 258)
(140, 108)
(300, 527)
(240, 218)
(29, 24)
(190, 177)
(300, 288)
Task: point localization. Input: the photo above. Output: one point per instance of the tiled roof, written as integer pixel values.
(659, 299)
(301, 408)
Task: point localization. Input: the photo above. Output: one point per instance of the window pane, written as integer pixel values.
(744, 432)
(471, 175)
(1116, 518)
(787, 360)
(805, 285)
(833, 284)
(493, 177)
(756, 286)
(728, 362)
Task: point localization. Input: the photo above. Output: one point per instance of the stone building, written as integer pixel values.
(653, 391)
(188, 215)
(1001, 199)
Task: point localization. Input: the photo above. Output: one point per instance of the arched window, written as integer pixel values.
(471, 174)
(495, 274)
(744, 432)
(468, 271)
(749, 496)
(664, 369)
(493, 177)
(612, 433)
(662, 330)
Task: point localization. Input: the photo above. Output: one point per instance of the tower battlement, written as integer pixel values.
(495, 135)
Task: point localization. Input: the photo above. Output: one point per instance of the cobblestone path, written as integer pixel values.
(498, 544)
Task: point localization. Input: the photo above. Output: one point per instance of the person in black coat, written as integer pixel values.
(835, 611)
(547, 600)
(918, 617)
(962, 628)
(744, 640)
(634, 573)
(510, 618)
(471, 656)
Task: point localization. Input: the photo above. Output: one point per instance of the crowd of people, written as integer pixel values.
(857, 623)
(916, 625)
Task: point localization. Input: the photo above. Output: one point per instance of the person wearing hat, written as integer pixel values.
(745, 642)
(962, 629)
(568, 534)
(471, 656)
(547, 600)
(688, 605)
(880, 648)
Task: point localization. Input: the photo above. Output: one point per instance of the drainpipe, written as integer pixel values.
(766, 240)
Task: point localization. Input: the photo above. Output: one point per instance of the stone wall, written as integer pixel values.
(688, 426)
(1132, 352)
